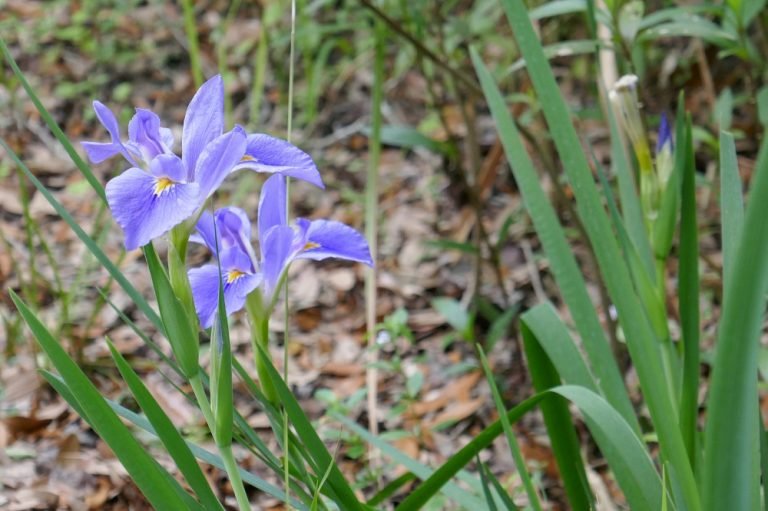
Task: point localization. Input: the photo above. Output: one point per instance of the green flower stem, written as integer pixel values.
(260, 337)
(225, 451)
(202, 400)
(228, 457)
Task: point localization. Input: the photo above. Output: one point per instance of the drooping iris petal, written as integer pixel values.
(204, 120)
(275, 156)
(100, 151)
(217, 160)
(271, 205)
(145, 137)
(233, 230)
(147, 205)
(323, 239)
(237, 280)
(277, 251)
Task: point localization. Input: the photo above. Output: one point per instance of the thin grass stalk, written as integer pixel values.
(514, 446)
(190, 28)
(288, 136)
(371, 231)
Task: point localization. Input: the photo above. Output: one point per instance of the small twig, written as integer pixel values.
(423, 50)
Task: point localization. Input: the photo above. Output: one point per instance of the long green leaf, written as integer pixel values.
(730, 431)
(61, 388)
(641, 342)
(167, 433)
(147, 475)
(179, 327)
(561, 258)
(688, 277)
(320, 456)
(449, 489)
(731, 203)
(542, 365)
(625, 453)
(522, 470)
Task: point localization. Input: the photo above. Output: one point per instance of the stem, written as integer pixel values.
(194, 50)
(289, 133)
(233, 471)
(202, 400)
(224, 450)
(371, 233)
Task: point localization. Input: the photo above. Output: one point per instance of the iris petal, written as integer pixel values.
(217, 160)
(271, 205)
(324, 239)
(144, 133)
(144, 214)
(277, 253)
(204, 120)
(205, 291)
(275, 156)
(98, 151)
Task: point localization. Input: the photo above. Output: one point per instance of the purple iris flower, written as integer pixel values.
(161, 190)
(665, 135)
(280, 244)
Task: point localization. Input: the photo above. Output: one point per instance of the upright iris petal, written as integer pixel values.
(204, 120)
(147, 204)
(146, 138)
(238, 279)
(230, 226)
(307, 239)
(100, 151)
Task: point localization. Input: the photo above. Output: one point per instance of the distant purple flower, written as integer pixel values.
(161, 190)
(665, 135)
(664, 151)
(280, 244)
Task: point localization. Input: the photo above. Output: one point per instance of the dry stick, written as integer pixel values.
(371, 232)
(289, 133)
(420, 48)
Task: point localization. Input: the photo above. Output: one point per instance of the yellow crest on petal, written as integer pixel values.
(310, 245)
(234, 275)
(163, 184)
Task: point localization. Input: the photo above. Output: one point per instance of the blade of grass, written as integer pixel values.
(320, 456)
(730, 429)
(640, 339)
(514, 447)
(489, 502)
(509, 504)
(52, 125)
(190, 28)
(141, 422)
(391, 488)
(167, 433)
(561, 258)
(460, 495)
(143, 469)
